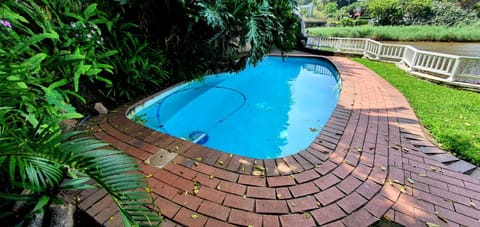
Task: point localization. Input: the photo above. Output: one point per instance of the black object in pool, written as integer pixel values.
(198, 137)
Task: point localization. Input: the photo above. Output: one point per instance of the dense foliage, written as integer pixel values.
(399, 12)
(57, 56)
(48, 49)
(206, 35)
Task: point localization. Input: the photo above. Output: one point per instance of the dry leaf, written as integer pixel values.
(429, 224)
(244, 196)
(404, 149)
(383, 168)
(473, 204)
(218, 187)
(211, 177)
(293, 204)
(195, 163)
(410, 180)
(220, 162)
(195, 191)
(318, 204)
(176, 148)
(148, 189)
(149, 175)
(422, 174)
(308, 215)
(260, 168)
(185, 193)
(198, 159)
(279, 195)
(194, 216)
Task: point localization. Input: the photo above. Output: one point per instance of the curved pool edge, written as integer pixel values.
(324, 142)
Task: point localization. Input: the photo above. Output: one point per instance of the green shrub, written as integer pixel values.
(43, 57)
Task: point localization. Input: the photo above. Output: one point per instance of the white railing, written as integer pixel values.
(444, 66)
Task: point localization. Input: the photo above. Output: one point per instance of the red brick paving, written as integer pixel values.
(371, 160)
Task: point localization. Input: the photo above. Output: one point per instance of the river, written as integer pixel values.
(457, 48)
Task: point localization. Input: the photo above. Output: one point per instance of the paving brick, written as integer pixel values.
(239, 202)
(168, 209)
(184, 217)
(252, 180)
(271, 206)
(451, 196)
(462, 166)
(349, 184)
(438, 201)
(308, 175)
(456, 217)
(214, 210)
(361, 172)
(302, 204)
(330, 195)
(368, 189)
(352, 202)
(280, 181)
(378, 205)
(359, 218)
(390, 192)
(181, 171)
(187, 200)
(326, 181)
(444, 158)
(406, 220)
(226, 175)
(303, 189)
(206, 180)
(261, 192)
(271, 220)
(325, 167)
(238, 217)
(467, 210)
(166, 190)
(211, 194)
(216, 223)
(233, 188)
(283, 193)
(296, 220)
(328, 214)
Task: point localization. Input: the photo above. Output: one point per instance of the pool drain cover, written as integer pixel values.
(161, 158)
(198, 137)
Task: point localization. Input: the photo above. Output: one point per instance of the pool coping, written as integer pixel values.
(371, 161)
(323, 142)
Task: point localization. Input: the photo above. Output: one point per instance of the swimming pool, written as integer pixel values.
(272, 110)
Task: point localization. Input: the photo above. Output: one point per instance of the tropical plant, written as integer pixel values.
(388, 12)
(37, 160)
(206, 35)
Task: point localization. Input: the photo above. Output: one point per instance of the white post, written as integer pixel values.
(379, 51)
(452, 75)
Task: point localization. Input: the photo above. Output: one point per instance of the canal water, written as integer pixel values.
(457, 48)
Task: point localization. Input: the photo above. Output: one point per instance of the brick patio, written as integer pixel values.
(371, 160)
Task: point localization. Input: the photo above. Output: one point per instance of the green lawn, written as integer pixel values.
(452, 116)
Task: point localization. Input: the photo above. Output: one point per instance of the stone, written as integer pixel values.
(100, 108)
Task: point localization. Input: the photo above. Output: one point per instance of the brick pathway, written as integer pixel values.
(370, 161)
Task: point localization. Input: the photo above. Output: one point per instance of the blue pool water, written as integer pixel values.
(272, 110)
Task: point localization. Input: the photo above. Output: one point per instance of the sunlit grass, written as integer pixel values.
(402, 33)
(452, 116)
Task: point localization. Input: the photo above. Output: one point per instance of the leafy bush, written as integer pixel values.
(450, 14)
(44, 53)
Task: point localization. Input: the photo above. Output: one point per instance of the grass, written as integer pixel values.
(403, 33)
(452, 116)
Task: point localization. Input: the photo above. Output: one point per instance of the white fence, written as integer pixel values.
(452, 68)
